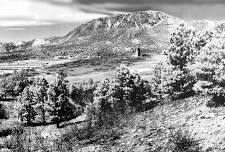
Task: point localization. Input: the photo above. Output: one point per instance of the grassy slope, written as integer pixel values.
(150, 130)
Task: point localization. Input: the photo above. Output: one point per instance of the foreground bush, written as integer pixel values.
(3, 112)
(183, 141)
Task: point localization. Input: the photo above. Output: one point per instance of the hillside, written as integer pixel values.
(150, 130)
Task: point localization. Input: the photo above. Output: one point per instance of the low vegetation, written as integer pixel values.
(183, 140)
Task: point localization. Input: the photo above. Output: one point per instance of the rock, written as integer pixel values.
(142, 148)
(207, 116)
(5, 150)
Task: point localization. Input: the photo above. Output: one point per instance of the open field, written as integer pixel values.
(81, 70)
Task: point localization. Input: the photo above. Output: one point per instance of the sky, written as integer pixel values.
(28, 19)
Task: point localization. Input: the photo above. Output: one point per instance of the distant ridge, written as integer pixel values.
(114, 35)
(110, 36)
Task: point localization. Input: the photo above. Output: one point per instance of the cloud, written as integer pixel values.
(42, 12)
(149, 1)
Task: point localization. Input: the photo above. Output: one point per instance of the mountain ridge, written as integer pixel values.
(113, 35)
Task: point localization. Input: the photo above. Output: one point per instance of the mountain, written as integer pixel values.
(108, 36)
(121, 33)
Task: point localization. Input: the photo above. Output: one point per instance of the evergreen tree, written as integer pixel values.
(101, 104)
(42, 106)
(211, 76)
(182, 49)
(173, 77)
(123, 90)
(14, 83)
(27, 105)
(58, 96)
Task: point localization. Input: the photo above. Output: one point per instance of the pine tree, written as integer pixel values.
(173, 77)
(14, 83)
(40, 97)
(27, 105)
(123, 90)
(101, 104)
(211, 76)
(182, 49)
(58, 96)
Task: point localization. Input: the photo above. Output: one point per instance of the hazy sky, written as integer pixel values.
(28, 19)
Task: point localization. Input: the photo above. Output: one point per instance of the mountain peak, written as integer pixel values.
(115, 22)
(114, 35)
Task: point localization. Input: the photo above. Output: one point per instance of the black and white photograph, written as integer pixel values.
(112, 75)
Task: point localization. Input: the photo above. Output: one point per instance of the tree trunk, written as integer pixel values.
(43, 114)
(43, 117)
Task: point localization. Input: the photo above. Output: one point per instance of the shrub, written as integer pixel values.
(211, 72)
(3, 112)
(183, 141)
(92, 135)
(15, 142)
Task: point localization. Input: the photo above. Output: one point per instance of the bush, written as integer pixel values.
(211, 73)
(183, 141)
(15, 142)
(3, 112)
(92, 135)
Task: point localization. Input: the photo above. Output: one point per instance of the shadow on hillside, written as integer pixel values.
(8, 99)
(97, 64)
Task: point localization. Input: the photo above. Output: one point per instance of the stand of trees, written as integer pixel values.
(46, 102)
(125, 92)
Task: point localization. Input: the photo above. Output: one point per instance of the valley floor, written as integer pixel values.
(84, 70)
